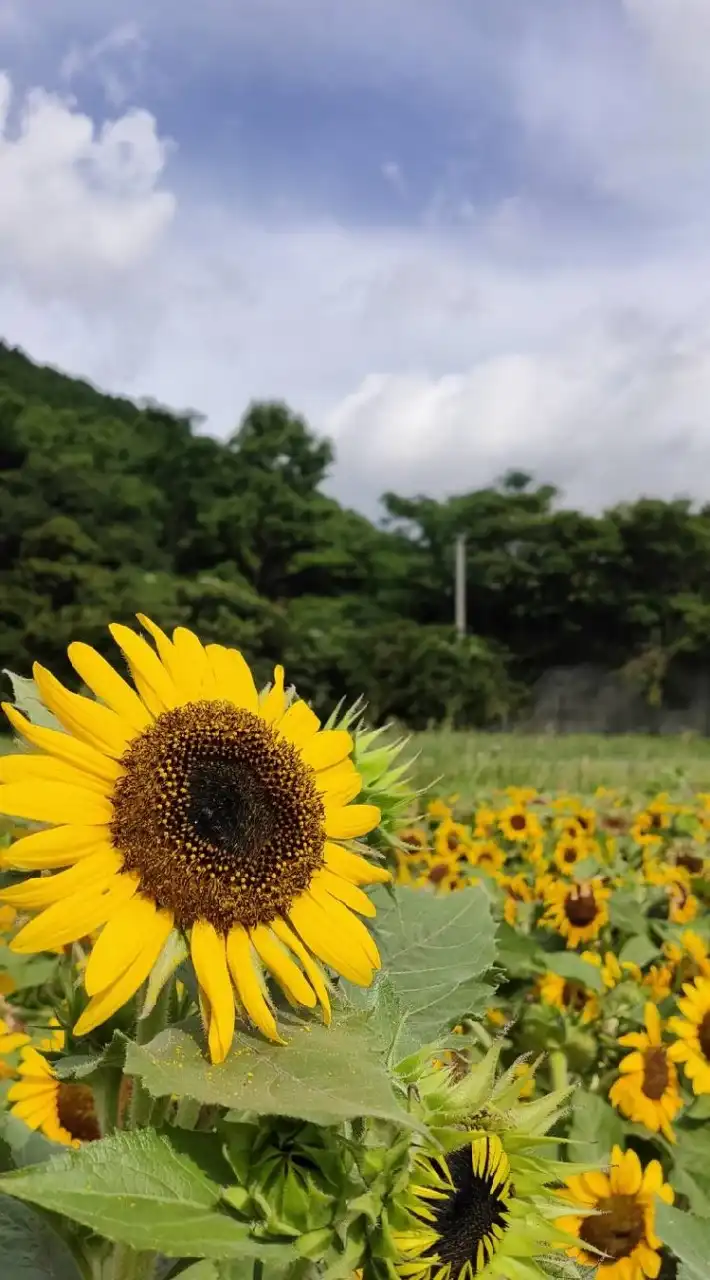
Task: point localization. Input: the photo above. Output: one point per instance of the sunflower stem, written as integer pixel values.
(558, 1070)
(147, 1029)
(107, 1099)
(126, 1264)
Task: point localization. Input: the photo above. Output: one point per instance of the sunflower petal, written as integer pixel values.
(332, 946)
(54, 802)
(339, 784)
(92, 723)
(94, 872)
(103, 1005)
(25, 767)
(350, 822)
(56, 847)
(286, 935)
(209, 958)
(352, 867)
(73, 918)
(145, 663)
(342, 918)
(233, 678)
(195, 675)
(298, 723)
(327, 748)
(246, 980)
(278, 961)
(133, 928)
(274, 704)
(108, 685)
(345, 892)
(64, 746)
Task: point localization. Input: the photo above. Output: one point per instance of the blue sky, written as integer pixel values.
(458, 236)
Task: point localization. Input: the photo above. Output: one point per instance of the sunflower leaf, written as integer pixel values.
(574, 969)
(435, 952)
(688, 1237)
(595, 1128)
(27, 700)
(638, 950)
(323, 1074)
(145, 1189)
(29, 1247)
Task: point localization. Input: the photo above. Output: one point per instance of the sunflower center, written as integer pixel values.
(704, 1036)
(617, 1229)
(439, 872)
(471, 1221)
(570, 855)
(655, 1073)
(219, 815)
(76, 1112)
(452, 841)
(518, 822)
(580, 907)
(574, 995)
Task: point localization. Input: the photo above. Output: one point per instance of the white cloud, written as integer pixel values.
(115, 60)
(80, 205)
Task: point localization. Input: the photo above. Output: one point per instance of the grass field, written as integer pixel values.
(471, 762)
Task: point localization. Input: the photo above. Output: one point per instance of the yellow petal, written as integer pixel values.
(233, 679)
(279, 963)
(23, 767)
(108, 685)
(196, 678)
(165, 647)
(57, 847)
(298, 723)
(107, 1002)
(342, 918)
(209, 958)
(136, 926)
(346, 892)
(53, 802)
(98, 726)
(286, 935)
(340, 784)
(352, 867)
(274, 704)
(94, 872)
(333, 948)
(246, 980)
(64, 746)
(145, 663)
(353, 821)
(73, 918)
(329, 747)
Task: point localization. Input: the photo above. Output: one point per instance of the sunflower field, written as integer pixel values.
(270, 1011)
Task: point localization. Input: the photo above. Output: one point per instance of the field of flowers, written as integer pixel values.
(269, 1010)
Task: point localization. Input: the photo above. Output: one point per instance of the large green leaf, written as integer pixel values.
(324, 1074)
(27, 700)
(28, 971)
(691, 1168)
(144, 1189)
(596, 1128)
(639, 950)
(688, 1237)
(435, 951)
(29, 1247)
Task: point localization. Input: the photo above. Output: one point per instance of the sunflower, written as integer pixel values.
(484, 822)
(612, 970)
(487, 855)
(442, 872)
(682, 904)
(414, 841)
(570, 850)
(518, 825)
(690, 957)
(578, 912)
(659, 981)
(191, 802)
(623, 1226)
(647, 1089)
(468, 1220)
(451, 837)
(692, 1047)
(438, 808)
(569, 996)
(517, 891)
(10, 1041)
(62, 1109)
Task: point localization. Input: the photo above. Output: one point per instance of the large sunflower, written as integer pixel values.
(623, 1226)
(193, 803)
(468, 1218)
(692, 1047)
(61, 1109)
(569, 996)
(578, 912)
(647, 1089)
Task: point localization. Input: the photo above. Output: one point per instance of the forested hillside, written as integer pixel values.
(108, 509)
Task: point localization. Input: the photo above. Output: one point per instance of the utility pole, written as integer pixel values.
(460, 584)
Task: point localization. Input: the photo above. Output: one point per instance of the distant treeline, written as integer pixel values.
(107, 509)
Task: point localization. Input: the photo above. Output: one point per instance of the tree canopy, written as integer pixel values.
(109, 508)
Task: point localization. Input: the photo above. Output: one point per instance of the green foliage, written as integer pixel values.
(30, 1248)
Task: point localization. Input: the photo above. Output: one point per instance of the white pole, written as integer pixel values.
(460, 584)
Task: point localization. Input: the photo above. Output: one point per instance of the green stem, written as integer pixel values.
(147, 1029)
(558, 1070)
(126, 1264)
(187, 1114)
(107, 1098)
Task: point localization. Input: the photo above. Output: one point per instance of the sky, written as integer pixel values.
(458, 236)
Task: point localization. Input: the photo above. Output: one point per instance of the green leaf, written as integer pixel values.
(625, 913)
(28, 971)
(687, 1236)
(638, 950)
(568, 965)
(26, 1145)
(699, 1108)
(144, 1189)
(29, 1247)
(691, 1169)
(79, 1066)
(595, 1128)
(27, 700)
(518, 954)
(435, 951)
(324, 1074)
